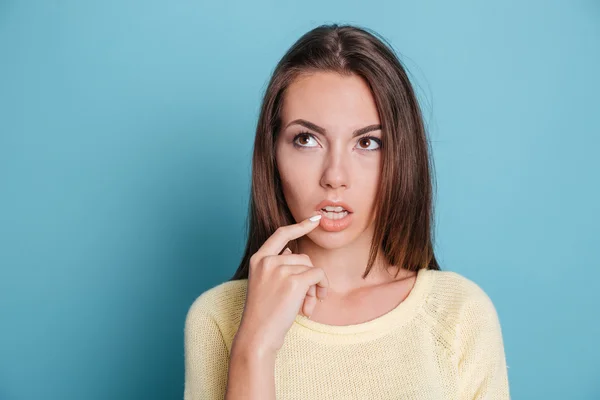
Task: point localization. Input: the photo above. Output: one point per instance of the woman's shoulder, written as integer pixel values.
(219, 307)
(457, 302)
(453, 287)
(222, 297)
(463, 320)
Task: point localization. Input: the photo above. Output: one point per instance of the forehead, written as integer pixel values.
(330, 100)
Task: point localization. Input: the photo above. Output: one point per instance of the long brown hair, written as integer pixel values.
(404, 210)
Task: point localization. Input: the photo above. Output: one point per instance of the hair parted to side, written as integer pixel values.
(404, 204)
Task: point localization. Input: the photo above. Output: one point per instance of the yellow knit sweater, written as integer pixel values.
(442, 342)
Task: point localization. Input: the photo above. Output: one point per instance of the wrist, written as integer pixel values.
(253, 350)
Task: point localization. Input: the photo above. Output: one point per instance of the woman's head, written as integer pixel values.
(340, 122)
(328, 150)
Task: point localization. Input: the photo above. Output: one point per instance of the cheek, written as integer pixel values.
(367, 184)
(297, 176)
(367, 173)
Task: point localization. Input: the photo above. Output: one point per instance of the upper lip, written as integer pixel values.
(333, 203)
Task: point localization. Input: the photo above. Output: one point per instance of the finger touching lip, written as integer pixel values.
(335, 222)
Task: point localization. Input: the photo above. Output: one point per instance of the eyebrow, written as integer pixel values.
(322, 131)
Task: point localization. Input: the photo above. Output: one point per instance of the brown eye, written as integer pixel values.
(366, 143)
(303, 139)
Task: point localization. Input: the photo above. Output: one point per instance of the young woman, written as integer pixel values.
(339, 294)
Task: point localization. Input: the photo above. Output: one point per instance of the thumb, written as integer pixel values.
(309, 305)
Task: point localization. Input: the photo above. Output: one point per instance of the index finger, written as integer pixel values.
(277, 241)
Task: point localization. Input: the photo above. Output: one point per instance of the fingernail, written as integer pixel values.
(315, 218)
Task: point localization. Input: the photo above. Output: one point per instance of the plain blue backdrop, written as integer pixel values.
(126, 132)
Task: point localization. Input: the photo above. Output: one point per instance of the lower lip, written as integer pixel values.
(335, 225)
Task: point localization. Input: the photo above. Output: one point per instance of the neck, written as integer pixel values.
(345, 266)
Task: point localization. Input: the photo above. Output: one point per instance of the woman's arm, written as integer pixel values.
(211, 374)
(206, 356)
(251, 372)
(482, 364)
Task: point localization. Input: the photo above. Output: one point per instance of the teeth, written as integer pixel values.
(332, 208)
(335, 215)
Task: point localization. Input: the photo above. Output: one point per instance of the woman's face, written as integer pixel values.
(328, 150)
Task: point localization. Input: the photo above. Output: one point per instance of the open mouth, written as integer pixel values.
(334, 212)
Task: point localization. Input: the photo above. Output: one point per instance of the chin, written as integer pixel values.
(332, 240)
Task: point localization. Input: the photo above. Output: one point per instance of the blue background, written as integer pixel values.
(125, 140)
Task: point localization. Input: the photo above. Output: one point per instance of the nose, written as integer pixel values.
(336, 170)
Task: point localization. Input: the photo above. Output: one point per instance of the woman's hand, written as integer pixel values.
(279, 286)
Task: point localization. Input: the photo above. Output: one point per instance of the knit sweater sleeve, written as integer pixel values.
(205, 353)
(482, 363)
